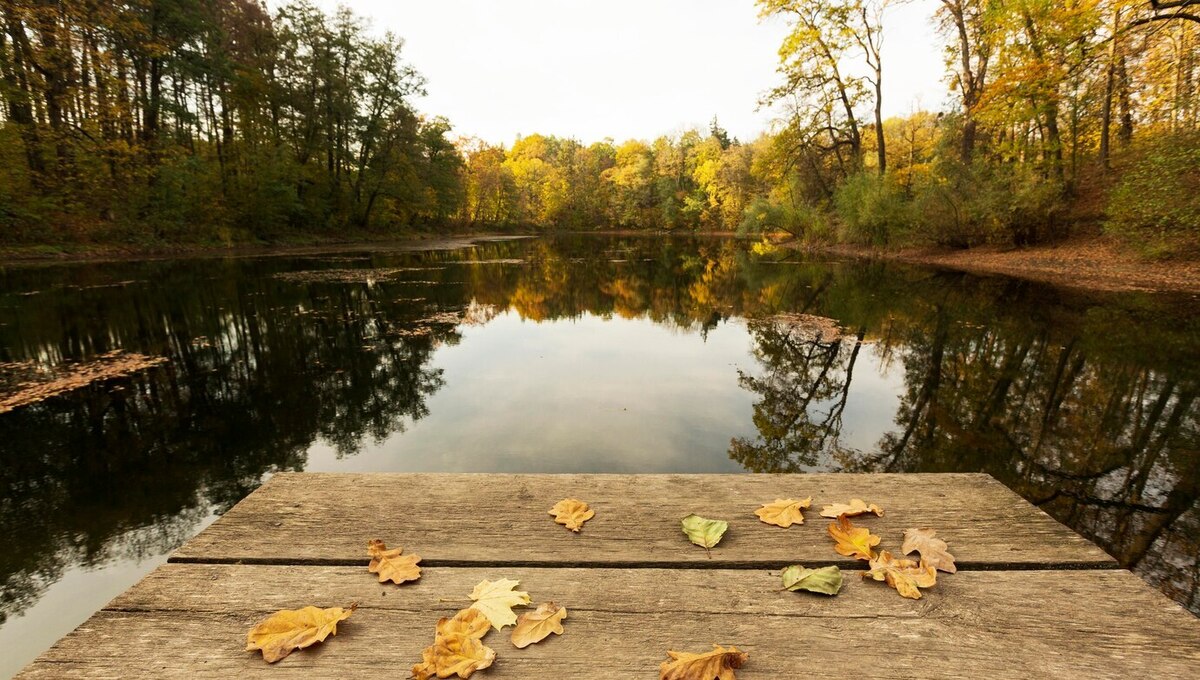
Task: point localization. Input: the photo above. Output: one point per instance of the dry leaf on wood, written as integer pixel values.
(285, 631)
(706, 533)
(496, 600)
(538, 624)
(826, 580)
(390, 564)
(906, 576)
(572, 513)
(852, 541)
(718, 664)
(933, 550)
(783, 512)
(855, 508)
(457, 648)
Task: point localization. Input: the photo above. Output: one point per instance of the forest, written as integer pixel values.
(223, 121)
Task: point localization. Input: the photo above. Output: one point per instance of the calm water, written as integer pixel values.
(582, 354)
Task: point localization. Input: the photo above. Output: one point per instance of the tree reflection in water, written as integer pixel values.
(1084, 404)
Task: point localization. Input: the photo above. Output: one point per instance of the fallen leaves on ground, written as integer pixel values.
(538, 625)
(495, 599)
(855, 508)
(391, 565)
(933, 550)
(572, 513)
(718, 664)
(285, 631)
(852, 541)
(706, 533)
(457, 647)
(826, 580)
(906, 576)
(783, 512)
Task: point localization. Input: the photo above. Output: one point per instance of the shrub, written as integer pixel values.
(803, 221)
(1156, 204)
(873, 210)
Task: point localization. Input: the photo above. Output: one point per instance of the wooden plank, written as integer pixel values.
(464, 520)
(189, 621)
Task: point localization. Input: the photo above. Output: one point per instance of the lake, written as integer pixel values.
(572, 354)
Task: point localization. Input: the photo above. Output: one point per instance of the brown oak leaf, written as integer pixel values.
(718, 664)
(390, 564)
(572, 513)
(906, 576)
(855, 508)
(783, 512)
(933, 550)
(457, 647)
(538, 625)
(852, 541)
(285, 631)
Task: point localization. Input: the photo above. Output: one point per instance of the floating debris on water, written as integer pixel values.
(23, 382)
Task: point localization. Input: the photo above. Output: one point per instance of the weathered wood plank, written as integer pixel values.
(189, 621)
(464, 520)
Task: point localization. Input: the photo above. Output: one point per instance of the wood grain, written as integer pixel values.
(189, 621)
(465, 520)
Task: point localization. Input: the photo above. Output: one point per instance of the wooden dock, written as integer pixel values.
(1031, 598)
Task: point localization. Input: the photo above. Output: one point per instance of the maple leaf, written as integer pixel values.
(572, 513)
(855, 508)
(537, 625)
(933, 550)
(852, 541)
(457, 648)
(706, 533)
(783, 512)
(906, 576)
(826, 580)
(285, 631)
(390, 564)
(715, 665)
(496, 600)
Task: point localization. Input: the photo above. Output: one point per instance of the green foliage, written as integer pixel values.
(872, 210)
(1156, 205)
(803, 221)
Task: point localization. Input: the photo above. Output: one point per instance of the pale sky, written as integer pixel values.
(592, 69)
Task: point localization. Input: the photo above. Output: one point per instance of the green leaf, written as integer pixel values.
(705, 533)
(826, 580)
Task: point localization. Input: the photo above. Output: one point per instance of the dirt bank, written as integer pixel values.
(1093, 263)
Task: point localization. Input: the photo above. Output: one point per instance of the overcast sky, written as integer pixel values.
(623, 69)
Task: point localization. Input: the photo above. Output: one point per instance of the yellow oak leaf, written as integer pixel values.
(783, 512)
(933, 550)
(718, 664)
(285, 631)
(855, 508)
(852, 541)
(496, 600)
(906, 576)
(390, 564)
(572, 513)
(457, 648)
(537, 625)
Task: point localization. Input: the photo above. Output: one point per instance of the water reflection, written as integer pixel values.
(694, 355)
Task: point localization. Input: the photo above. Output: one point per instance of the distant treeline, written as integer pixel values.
(217, 119)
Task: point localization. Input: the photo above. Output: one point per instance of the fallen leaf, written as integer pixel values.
(826, 580)
(572, 513)
(854, 509)
(390, 564)
(537, 625)
(906, 576)
(852, 541)
(705, 533)
(457, 648)
(285, 631)
(933, 550)
(783, 512)
(496, 600)
(715, 665)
